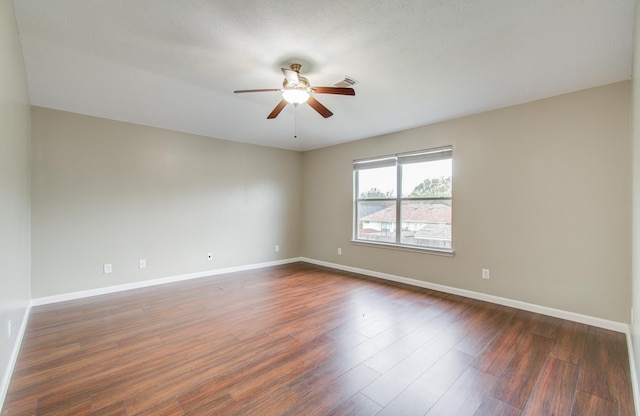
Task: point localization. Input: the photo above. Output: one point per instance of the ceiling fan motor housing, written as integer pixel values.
(303, 83)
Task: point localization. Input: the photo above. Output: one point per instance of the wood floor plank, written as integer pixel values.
(465, 395)
(519, 377)
(390, 356)
(547, 326)
(267, 376)
(218, 404)
(25, 406)
(423, 393)
(169, 407)
(482, 329)
(555, 390)
(500, 351)
(275, 403)
(65, 404)
(304, 339)
(322, 398)
(588, 405)
(384, 389)
(601, 362)
(115, 409)
(571, 342)
(358, 405)
(493, 407)
(323, 377)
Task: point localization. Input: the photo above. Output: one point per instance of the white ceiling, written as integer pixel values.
(175, 64)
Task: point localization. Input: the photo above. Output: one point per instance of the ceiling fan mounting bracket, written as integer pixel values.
(303, 83)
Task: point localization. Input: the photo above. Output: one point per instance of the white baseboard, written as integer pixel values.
(571, 316)
(6, 378)
(154, 282)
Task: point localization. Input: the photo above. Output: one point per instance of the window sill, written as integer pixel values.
(425, 250)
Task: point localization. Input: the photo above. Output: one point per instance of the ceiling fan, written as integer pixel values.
(297, 90)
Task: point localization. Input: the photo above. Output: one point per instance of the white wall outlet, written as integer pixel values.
(486, 274)
(277, 248)
(142, 263)
(210, 256)
(8, 332)
(339, 251)
(107, 268)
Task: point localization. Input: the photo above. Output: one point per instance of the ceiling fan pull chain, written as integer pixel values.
(295, 121)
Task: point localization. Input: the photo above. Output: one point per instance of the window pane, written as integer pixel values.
(423, 194)
(377, 183)
(426, 223)
(377, 221)
(427, 179)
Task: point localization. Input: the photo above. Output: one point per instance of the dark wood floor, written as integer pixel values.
(305, 340)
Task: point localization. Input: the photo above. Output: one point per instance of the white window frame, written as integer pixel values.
(398, 160)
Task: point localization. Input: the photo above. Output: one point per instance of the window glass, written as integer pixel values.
(377, 182)
(426, 223)
(377, 221)
(413, 190)
(427, 179)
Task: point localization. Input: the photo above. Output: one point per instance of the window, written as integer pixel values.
(410, 189)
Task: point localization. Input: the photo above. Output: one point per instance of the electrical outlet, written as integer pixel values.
(107, 268)
(277, 248)
(8, 328)
(142, 263)
(210, 256)
(486, 274)
(339, 251)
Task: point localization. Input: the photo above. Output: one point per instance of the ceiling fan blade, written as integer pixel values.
(267, 90)
(291, 76)
(315, 104)
(282, 104)
(334, 90)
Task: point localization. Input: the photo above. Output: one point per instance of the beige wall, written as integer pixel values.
(114, 192)
(14, 186)
(540, 196)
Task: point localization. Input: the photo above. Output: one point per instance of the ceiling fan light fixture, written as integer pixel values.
(296, 96)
